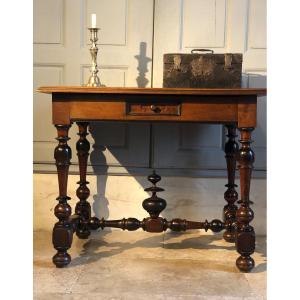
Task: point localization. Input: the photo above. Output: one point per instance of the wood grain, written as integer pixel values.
(151, 91)
(190, 112)
(134, 104)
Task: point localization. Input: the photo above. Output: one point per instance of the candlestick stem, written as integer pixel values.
(94, 80)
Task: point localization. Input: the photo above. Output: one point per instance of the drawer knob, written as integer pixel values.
(155, 108)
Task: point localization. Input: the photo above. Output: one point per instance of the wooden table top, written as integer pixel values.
(153, 91)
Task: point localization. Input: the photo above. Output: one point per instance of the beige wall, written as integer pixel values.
(121, 196)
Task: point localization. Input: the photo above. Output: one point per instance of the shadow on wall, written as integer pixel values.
(101, 133)
(143, 61)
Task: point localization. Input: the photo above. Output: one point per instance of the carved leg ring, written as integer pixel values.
(83, 207)
(245, 238)
(231, 196)
(63, 229)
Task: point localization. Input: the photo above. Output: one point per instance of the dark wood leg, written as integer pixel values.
(231, 196)
(63, 230)
(245, 237)
(83, 207)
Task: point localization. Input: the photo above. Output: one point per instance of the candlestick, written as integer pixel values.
(94, 79)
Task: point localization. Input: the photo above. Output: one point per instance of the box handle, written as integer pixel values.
(203, 50)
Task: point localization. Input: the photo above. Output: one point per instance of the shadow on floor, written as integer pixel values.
(93, 249)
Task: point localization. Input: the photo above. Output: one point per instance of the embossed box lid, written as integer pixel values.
(202, 70)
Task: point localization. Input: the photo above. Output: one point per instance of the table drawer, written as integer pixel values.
(150, 109)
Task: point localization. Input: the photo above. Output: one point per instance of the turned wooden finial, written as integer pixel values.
(154, 205)
(154, 178)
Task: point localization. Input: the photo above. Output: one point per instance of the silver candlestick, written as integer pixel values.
(94, 79)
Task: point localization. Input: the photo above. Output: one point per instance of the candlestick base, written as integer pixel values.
(94, 81)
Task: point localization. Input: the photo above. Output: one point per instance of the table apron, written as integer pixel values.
(244, 114)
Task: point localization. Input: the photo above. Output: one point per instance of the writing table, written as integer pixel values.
(235, 108)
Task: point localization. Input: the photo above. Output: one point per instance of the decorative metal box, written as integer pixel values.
(202, 70)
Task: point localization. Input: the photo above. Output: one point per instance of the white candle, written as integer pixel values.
(93, 18)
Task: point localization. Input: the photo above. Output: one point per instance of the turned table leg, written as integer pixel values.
(245, 237)
(62, 231)
(83, 207)
(231, 196)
